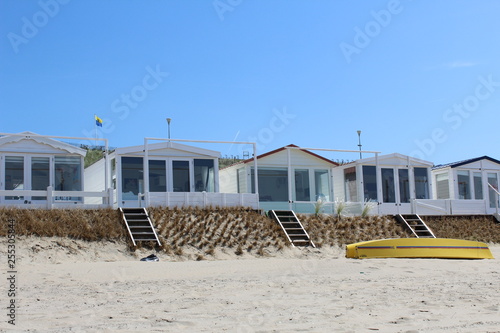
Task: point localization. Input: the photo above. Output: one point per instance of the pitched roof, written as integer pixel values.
(372, 159)
(249, 160)
(41, 139)
(460, 163)
(167, 145)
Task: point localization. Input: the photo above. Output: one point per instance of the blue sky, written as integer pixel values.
(420, 78)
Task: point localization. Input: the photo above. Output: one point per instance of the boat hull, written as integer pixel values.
(419, 248)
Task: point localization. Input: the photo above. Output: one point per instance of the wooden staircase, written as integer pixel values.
(139, 225)
(416, 225)
(292, 227)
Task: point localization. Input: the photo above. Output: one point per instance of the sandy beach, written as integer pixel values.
(104, 288)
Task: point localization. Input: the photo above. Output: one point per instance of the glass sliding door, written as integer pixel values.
(180, 174)
(478, 186)
(322, 185)
(302, 189)
(68, 172)
(463, 184)
(493, 181)
(273, 184)
(132, 177)
(204, 175)
(157, 176)
(404, 186)
(370, 183)
(40, 175)
(14, 175)
(421, 183)
(388, 190)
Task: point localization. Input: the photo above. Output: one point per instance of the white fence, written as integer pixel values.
(87, 199)
(450, 207)
(417, 206)
(201, 199)
(101, 199)
(54, 199)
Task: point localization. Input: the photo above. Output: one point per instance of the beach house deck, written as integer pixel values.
(389, 184)
(165, 174)
(465, 187)
(38, 171)
(289, 178)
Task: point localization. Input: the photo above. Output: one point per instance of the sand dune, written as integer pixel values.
(101, 287)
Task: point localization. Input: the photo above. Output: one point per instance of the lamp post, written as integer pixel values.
(359, 144)
(168, 122)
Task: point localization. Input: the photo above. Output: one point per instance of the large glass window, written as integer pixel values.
(442, 186)
(157, 176)
(478, 186)
(204, 175)
(180, 175)
(68, 171)
(388, 191)
(493, 181)
(302, 190)
(132, 177)
(40, 175)
(370, 183)
(351, 192)
(273, 184)
(322, 185)
(14, 175)
(421, 183)
(463, 184)
(404, 185)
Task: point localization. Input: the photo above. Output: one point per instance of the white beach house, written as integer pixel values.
(288, 178)
(164, 174)
(388, 183)
(39, 171)
(462, 187)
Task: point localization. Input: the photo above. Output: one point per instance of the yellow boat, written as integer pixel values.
(419, 248)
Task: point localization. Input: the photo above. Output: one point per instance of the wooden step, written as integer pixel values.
(416, 225)
(139, 225)
(293, 229)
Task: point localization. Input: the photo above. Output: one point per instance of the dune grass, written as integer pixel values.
(83, 224)
(236, 230)
(328, 230)
(483, 228)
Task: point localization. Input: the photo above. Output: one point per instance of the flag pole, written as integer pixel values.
(95, 126)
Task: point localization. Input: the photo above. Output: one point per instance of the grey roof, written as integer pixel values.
(460, 163)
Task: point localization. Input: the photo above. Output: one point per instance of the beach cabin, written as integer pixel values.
(387, 184)
(39, 171)
(164, 174)
(463, 185)
(287, 178)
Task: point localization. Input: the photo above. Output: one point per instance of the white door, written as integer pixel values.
(389, 204)
(403, 192)
(395, 191)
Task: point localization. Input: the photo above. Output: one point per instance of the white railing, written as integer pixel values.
(54, 199)
(202, 199)
(450, 207)
(431, 207)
